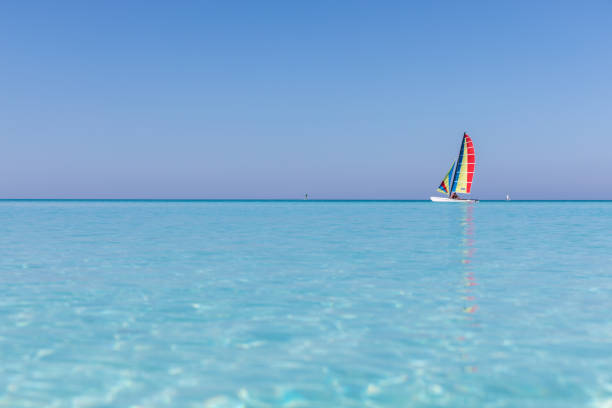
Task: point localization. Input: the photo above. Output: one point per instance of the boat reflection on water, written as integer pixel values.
(469, 284)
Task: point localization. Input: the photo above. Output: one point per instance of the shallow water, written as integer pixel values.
(289, 304)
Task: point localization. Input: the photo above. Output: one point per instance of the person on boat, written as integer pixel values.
(454, 196)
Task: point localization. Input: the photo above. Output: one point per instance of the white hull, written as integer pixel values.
(451, 200)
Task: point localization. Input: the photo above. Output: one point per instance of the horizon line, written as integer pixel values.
(281, 199)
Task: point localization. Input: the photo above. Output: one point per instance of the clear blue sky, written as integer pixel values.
(214, 99)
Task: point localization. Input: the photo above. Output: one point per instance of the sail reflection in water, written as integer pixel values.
(469, 285)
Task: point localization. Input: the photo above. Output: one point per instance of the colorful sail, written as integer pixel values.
(464, 171)
(444, 186)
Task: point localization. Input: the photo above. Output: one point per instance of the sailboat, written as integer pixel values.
(459, 177)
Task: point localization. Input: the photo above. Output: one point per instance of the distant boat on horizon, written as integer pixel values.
(459, 180)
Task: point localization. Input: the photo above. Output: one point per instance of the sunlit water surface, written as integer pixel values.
(305, 304)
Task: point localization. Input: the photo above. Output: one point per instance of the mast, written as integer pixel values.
(450, 190)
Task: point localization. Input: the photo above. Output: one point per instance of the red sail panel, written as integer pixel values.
(471, 161)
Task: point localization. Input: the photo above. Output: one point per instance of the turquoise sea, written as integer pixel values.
(305, 304)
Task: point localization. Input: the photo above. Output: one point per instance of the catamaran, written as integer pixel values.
(459, 180)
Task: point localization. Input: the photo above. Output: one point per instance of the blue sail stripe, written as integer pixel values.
(458, 167)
